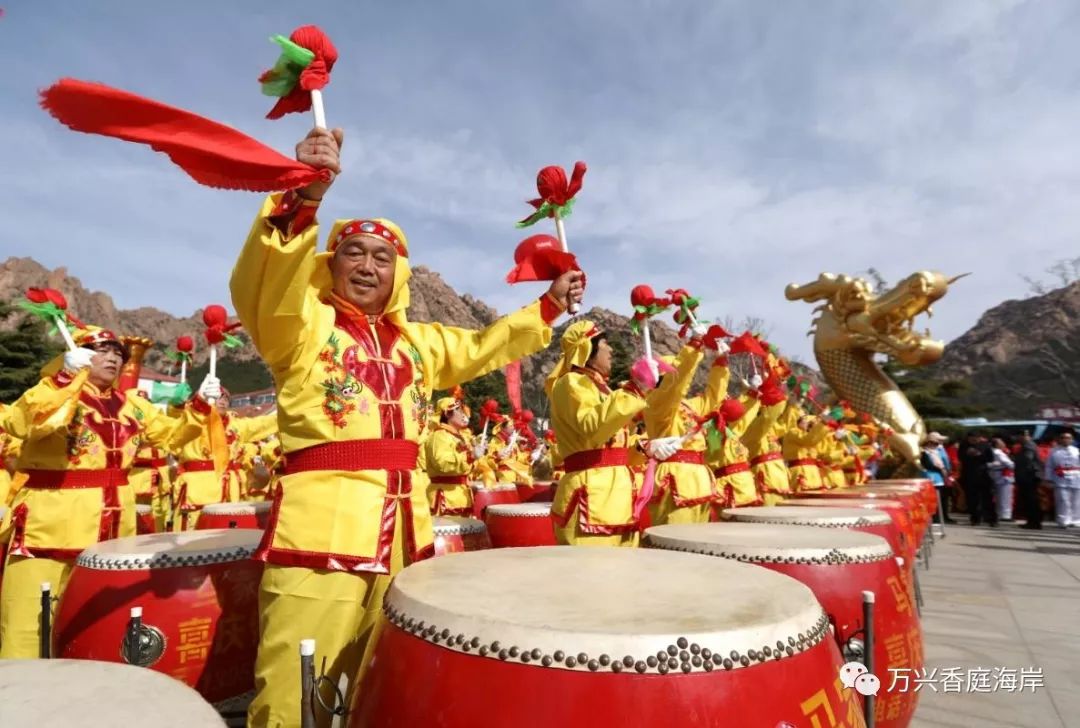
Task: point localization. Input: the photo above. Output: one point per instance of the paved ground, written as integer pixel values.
(1005, 598)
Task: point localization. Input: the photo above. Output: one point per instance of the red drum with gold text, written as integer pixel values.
(913, 501)
(484, 496)
(246, 514)
(587, 637)
(838, 565)
(520, 524)
(198, 591)
(454, 534)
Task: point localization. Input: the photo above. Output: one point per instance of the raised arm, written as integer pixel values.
(663, 402)
(576, 402)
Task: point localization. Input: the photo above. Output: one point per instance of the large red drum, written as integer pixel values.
(905, 545)
(838, 565)
(89, 694)
(245, 514)
(198, 591)
(144, 519)
(925, 485)
(912, 499)
(542, 491)
(578, 638)
(484, 496)
(858, 519)
(520, 524)
(454, 534)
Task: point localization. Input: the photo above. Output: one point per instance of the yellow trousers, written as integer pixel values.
(571, 535)
(20, 603)
(340, 610)
(667, 512)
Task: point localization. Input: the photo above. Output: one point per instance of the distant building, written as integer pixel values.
(1059, 411)
(253, 404)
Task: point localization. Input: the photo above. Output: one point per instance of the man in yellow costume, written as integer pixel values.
(800, 445)
(508, 452)
(762, 440)
(449, 456)
(685, 490)
(593, 424)
(353, 379)
(206, 477)
(80, 436)
(149, 480)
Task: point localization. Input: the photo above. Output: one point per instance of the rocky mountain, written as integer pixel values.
(1020, 355)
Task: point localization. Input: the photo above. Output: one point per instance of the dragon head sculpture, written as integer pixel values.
(855, 323)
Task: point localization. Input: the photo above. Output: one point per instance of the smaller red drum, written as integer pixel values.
(245, 514)
(925, 484)
(838, 565)
(199, 594)
(905, 546)
(912, 501)
(454, 535)
(583, 637)
(538, 492)
(520, 524)
(859, 519)
(484, 496)
(144, 519)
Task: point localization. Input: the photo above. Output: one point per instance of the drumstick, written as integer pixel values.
(560, 232)
(213, 367)
(307, 683)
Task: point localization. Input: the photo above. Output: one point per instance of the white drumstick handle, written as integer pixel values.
(648, 349)
(560, 232)
(213, 365)
(61, 324)
(183, 370)
(317, 109)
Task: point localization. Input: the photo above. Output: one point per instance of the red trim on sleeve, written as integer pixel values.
(200, 405)
(293, 214)
(550, 310)
(63, 378)
(720, 361)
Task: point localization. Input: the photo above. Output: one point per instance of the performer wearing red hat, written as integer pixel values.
(353, 378)
(449, 455)
(80, 436)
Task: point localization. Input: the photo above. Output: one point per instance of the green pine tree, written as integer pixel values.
(23, 351)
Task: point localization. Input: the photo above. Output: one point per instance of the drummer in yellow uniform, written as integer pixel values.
(762, 440)
(593, 503)
(202, 479)
(449, 456)
(80, 436)
(731, 461)
(800, 445)
(685, 489)
(149, 480)
(353, 379)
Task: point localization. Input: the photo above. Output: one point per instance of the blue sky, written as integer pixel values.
(733, 147)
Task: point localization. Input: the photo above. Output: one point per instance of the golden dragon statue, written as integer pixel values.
(855, 324)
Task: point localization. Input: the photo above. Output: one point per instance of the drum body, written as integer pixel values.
(870, 521)
(454, 534)
(913, 501)
(246, 514)
(199, 594)
(905, 545)
(520, 524)
(837, 565)
(925, 485)
(569, 637)
(499, 493)
(144, 519)
(539, 492)
(49, 693)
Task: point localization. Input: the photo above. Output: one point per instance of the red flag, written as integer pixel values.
(513, 385)
(540, 258)
(745, 343)
(211, 153)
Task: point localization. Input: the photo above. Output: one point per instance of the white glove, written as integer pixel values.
(698, 330)
(210, 389)
(664, 447)
(722, 348)
(536, 454)
(756, 381)
(505, 452)
(479, 451)
(840, 434)
(75, 361)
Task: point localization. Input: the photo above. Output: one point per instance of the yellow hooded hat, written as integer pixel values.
(576, 344)
(88, 336)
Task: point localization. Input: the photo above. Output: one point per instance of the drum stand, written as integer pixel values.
(311, 687)
(44, 644)
(868, 652)
(941, 515)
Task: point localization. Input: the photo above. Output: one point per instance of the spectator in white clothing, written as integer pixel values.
(1063, 470)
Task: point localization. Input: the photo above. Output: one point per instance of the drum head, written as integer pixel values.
(845, 502)
(606, 609)
(770, 543)
(172, 550)
(494, 488)
(520, 510)
(91, 694)
(243, 508)
(803, 516)
(457, 526)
